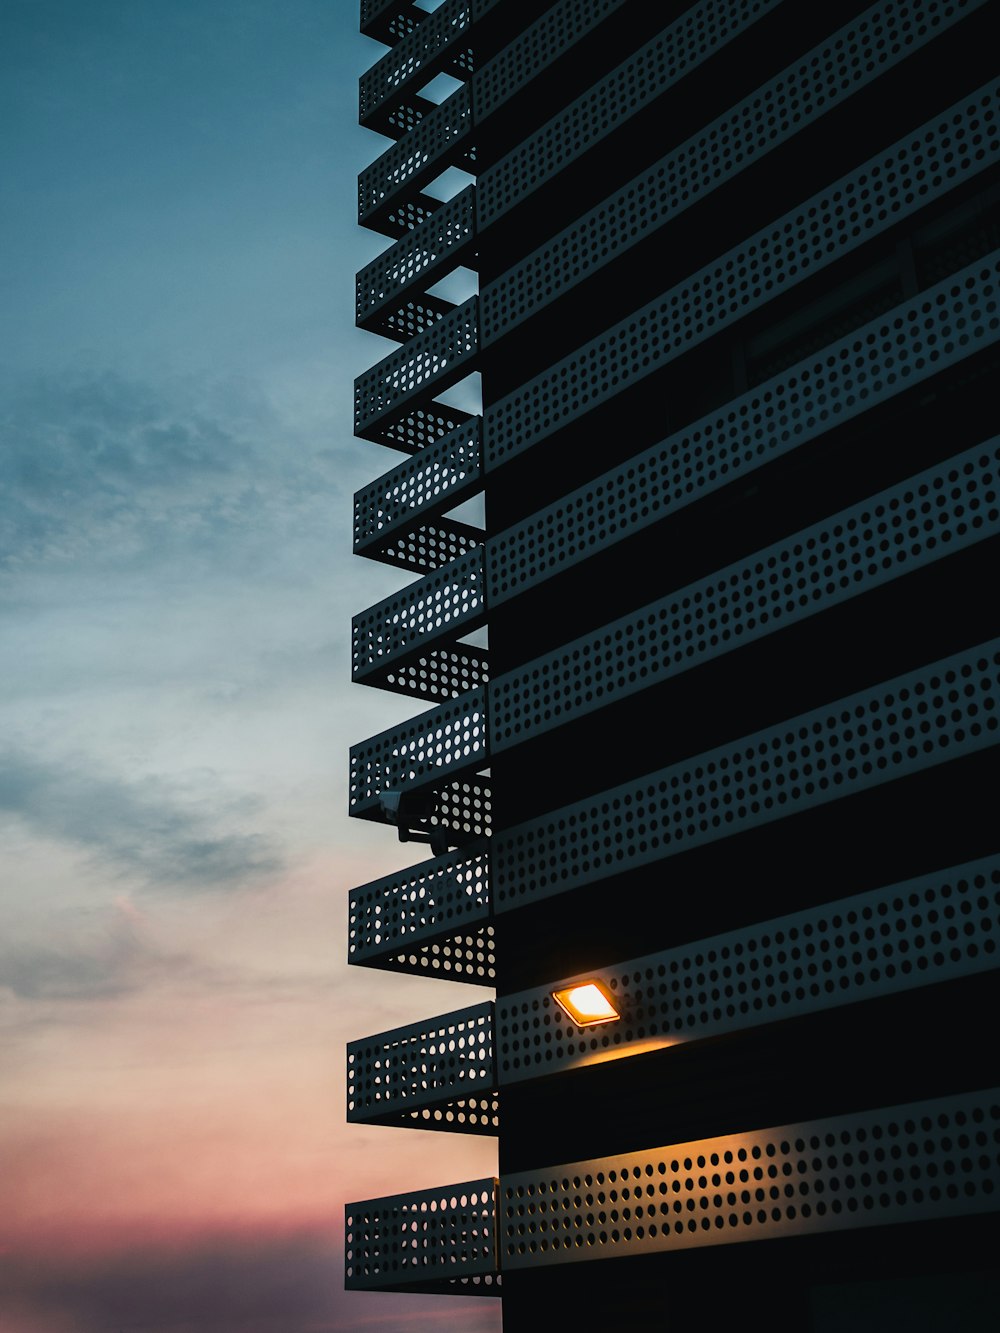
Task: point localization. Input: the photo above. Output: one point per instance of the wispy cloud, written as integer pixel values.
(146, 828)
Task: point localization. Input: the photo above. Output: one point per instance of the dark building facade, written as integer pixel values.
(728, 762)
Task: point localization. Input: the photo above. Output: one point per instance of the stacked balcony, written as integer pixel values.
(916, 330)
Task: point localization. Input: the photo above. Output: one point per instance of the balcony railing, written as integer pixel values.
(936, 714)
(433, 919)
(387, 93)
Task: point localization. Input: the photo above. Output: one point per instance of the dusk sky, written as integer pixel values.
(177, 252)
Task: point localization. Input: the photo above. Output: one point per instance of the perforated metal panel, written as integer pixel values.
(428, 1240)
(389, 292)
(444, 673)
(439, 744)
(913, 722)
(910, 525)
(911, 1163)
(440, 1074)
(660, 64)
(388, 190)
(927, 930)
(931, 161)
(534, 50)
(430, 362)
(440, 42)
(423, 616)
(433, 918)
(389, 20)
(944, 326)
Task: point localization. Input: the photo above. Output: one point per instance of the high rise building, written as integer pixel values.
(726, 772)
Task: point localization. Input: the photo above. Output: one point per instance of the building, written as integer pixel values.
(730, 756)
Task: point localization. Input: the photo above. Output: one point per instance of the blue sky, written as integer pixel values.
(177, 251)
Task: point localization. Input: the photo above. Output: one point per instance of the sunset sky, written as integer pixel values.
(177, 252)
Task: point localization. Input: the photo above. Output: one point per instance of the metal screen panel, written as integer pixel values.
(441, 139)
(432, 918)
(440, 42)
(927, 930)
(428, 1240)
(439, 744)
(534, 50)
(428, 363)
(905, 527)
(927, 164)
(396, 280)
(692, 39)
(929, 716)
(440, 606)
(922, 1161)
(439, 1074)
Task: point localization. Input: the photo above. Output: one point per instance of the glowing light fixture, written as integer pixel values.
(586, 1003)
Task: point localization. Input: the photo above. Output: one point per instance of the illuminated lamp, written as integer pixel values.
(586, 1003)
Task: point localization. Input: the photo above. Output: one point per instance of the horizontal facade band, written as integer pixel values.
(940, 712)
(928, 163)
(439, 1074)
(439, 745)
(427, 1240)
(947, 325)
(681, 47)
(417, 490)
(908, 526)
(918, 1162)
(432, 919)
(440, 44)
(928, 930)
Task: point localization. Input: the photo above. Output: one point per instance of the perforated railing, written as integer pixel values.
(916, 934)
(432, 919)
(911, 1163)
(421, 620)
(912, 524)
(638, 81)
(389, 191)
(392, 515)
(409, 377)
(428, 1240)
(440, 1074)
(943, 327)
(932, 160)
(938, 713)
(441, 743)
(387, 98)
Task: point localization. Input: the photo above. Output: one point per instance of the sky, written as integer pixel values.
(177, 252)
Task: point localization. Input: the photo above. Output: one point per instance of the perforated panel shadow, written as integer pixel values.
(431, 611)
(440, 42)
(388, 190)
(433, 918)
(657, 66)
(898, 1164)
(954, 147)
(418, 489)
(389, 291)
(534, 50)
(427, 364)
(939, 329)
(439, 744)
(440, 1074)
(427, 1240)
(913, 722)
(909, 525)
(919, 933)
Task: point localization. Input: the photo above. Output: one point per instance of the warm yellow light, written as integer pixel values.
(586, 1003)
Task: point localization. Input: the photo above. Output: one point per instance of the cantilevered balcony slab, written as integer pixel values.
(438, 1240)
(432, 919)
(438, 1074)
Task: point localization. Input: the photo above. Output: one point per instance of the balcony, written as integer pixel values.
(439, 1074)
(388, 98)
(433, 919)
